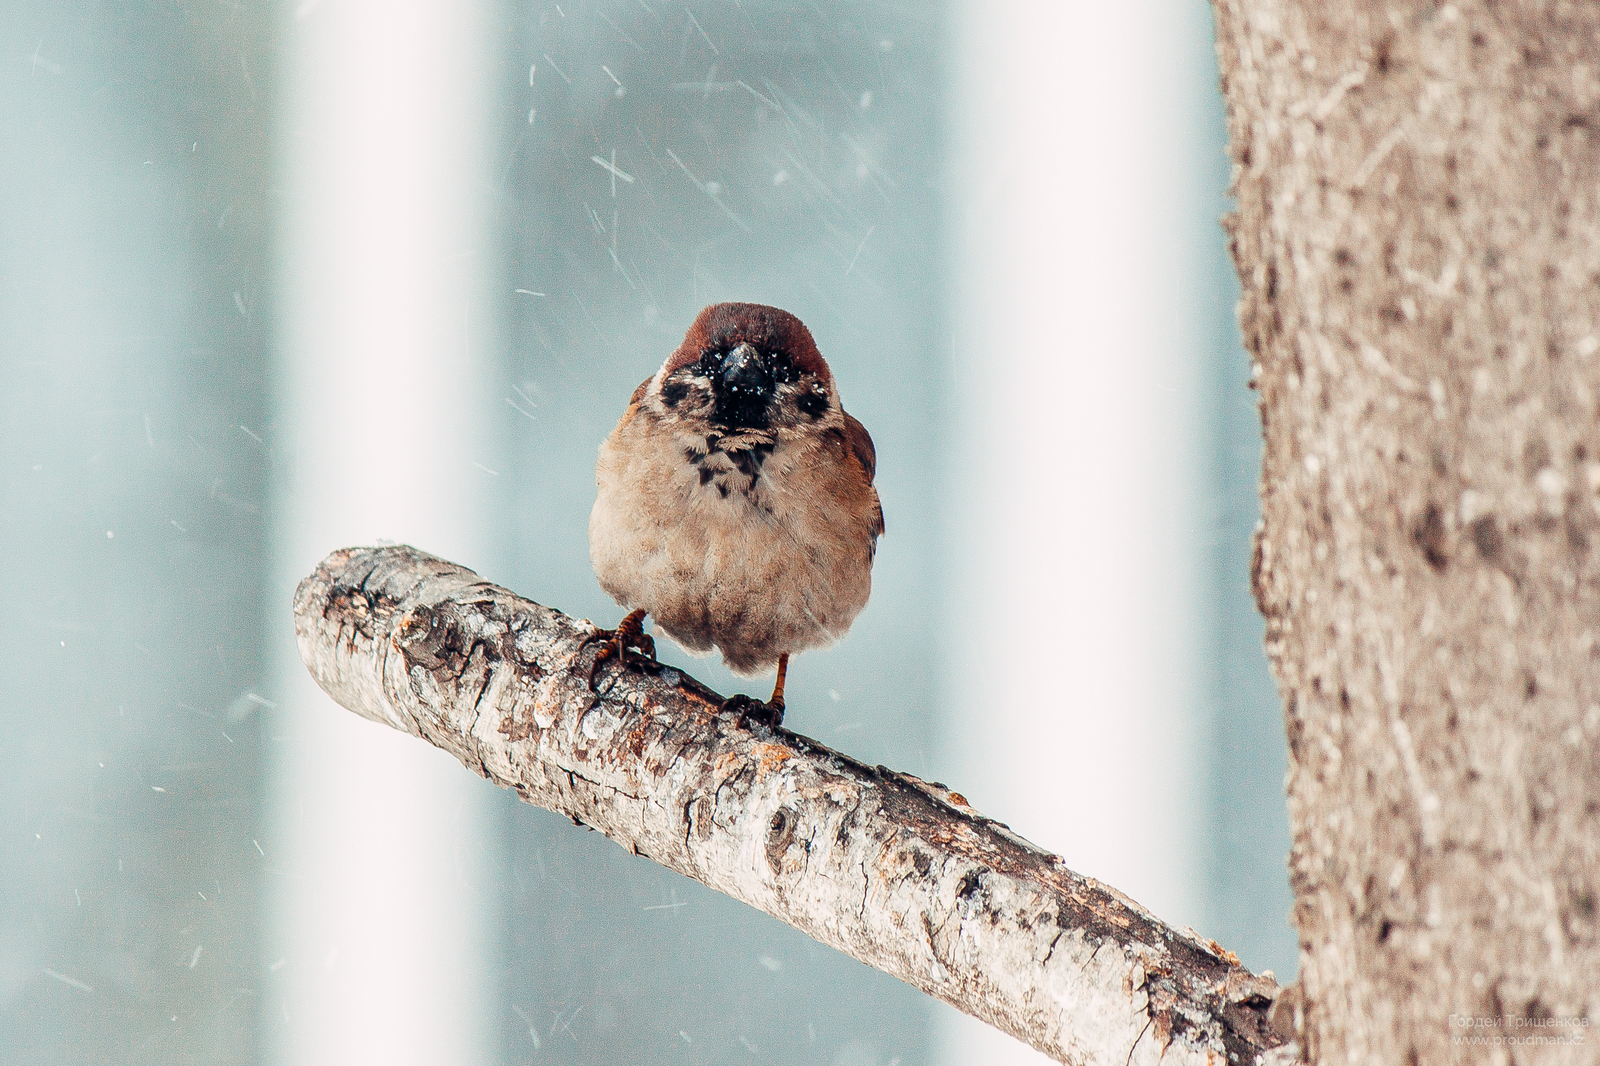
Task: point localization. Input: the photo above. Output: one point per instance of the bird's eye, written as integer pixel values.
(709, 361)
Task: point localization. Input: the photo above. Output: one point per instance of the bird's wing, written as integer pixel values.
(860, 442)
(638, 394)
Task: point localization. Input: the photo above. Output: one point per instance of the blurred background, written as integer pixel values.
(278, 278)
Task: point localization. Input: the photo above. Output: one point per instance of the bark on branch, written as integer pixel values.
(896, 872)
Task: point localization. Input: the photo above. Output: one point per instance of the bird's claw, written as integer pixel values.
(628, 636)
(769, 713)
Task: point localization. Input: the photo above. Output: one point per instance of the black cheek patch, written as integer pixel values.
(673, 392)
(813, 405)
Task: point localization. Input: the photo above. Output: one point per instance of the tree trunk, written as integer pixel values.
(896, 872)
(1418, 236)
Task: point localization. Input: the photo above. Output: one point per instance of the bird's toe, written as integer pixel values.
(769, 714)
(617, 643)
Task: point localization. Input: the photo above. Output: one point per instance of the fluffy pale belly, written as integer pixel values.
(756, 571)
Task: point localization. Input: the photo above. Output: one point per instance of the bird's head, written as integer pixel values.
(745, 368)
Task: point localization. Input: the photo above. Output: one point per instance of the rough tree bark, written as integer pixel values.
(899, 873)
(1418, 236)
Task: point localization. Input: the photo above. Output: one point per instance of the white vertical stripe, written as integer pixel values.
(1072, 697)
(379, 910)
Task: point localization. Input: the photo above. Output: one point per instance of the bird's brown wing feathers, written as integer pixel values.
(860, 441)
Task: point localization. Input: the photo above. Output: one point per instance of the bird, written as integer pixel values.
(735, 502)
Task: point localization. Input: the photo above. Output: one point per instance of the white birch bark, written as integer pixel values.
(899, 873)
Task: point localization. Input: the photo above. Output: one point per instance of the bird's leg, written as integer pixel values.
(770, 712)
(628, 634)
(775, 704)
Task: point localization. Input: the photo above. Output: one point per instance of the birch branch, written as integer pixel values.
(896, 872)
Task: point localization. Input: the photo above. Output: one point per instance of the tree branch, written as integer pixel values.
(896, 872)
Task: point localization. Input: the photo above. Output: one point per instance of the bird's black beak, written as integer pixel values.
(746, 388)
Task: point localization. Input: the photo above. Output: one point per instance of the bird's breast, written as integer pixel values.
(748, 543)
(733, 474)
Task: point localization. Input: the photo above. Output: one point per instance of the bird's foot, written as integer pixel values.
(628, 636)
(769, 713)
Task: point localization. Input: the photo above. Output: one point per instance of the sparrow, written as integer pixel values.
(735, 502)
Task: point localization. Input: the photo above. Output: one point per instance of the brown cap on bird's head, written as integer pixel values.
(721, 327)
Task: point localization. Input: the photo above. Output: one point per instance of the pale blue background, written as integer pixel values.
(135, 365)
